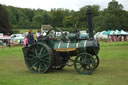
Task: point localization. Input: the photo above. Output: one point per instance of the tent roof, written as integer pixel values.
(112, 32)
(5, 37)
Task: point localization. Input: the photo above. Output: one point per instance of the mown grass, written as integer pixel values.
(113, 69)
(104, 44)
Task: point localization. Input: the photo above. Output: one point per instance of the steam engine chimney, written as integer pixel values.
(90, 24)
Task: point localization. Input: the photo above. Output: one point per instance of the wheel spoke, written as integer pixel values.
(44, 61)
(41, 50)
(93, 64)
(84, 69)
(39, 68)
(89, 66)
(78, 61)
(36, 51)
(44, 55)
(44, 51)
(33, 56)
(80, 68)
(45, 65)
(34, 65)
(78, 64)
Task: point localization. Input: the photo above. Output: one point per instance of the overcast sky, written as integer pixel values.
(66, 4)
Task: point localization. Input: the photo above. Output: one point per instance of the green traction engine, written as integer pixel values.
(57, 49)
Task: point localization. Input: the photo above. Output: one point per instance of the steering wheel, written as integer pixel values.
(55, 34)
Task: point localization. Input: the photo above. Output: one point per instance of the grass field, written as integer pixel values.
(113, 69)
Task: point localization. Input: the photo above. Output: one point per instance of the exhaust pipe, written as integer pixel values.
(90, 24)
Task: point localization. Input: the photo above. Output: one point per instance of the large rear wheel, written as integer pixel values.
(39, 58)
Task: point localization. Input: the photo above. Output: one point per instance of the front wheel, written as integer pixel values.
(97, 60)
(84, 63)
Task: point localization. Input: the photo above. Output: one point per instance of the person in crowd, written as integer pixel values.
(8, 43)
(38, 34)
(1, 43)
(30, 37)
(25, 41)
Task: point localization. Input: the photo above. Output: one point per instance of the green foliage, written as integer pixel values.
(4, 22)
(57, 17)
(114, 5)
(111, 18)
(29, 13)
(67, 21)
(104, 44)
(37, 20)
(47, 19)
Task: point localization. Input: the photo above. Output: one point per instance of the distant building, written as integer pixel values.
(46, 27)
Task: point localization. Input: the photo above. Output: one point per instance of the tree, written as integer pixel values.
(67, 21)
(29, 13)
(82, 21)
(114, 5)
(47, 19)
(112, 18)
(4, 22)
(37, 20)
(57, 17)
(12, 17)
(23, 20)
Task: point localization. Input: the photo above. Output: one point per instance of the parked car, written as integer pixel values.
(18, 38)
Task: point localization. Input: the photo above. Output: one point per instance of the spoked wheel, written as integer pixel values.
(84, 63)
(52, 33)
(39, 58)
(97, 60)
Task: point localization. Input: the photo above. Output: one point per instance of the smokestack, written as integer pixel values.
(90, 24)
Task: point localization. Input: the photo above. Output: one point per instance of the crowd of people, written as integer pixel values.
(29, 38)
(5, 42)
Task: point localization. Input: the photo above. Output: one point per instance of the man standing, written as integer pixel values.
(30, 37)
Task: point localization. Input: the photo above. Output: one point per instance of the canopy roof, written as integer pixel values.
(5, 37)
(112, 32)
